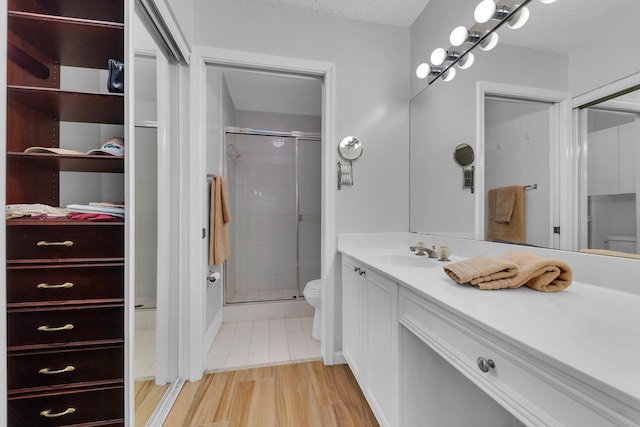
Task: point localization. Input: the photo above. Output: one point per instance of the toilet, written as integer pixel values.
(622, 244)
(312, 294)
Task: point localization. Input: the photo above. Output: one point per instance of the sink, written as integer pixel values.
(407, 260)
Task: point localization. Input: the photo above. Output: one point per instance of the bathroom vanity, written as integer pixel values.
(427, 351)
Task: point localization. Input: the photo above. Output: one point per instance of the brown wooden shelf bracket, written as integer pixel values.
(28, 62)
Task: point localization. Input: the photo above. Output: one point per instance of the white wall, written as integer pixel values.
(371, 87)
(585, 70)
(371, 101)
(444, 115)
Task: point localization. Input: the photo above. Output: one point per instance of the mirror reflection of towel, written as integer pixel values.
(516, 229)
(219, 216)
(505, 201)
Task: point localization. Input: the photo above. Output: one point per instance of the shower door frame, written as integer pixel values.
(297, 136)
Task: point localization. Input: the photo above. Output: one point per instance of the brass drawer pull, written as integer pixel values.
(66, 327)
(48, 414)
(65, 285)
(48, 371)
(45, 243)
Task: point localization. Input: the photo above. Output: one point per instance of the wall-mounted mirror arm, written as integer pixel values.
(464, 156)
(349, 148)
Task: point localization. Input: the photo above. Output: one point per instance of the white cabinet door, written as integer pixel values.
(381, 346)
(352, 316)
(627, 157)
(602, 169)
(370, 332)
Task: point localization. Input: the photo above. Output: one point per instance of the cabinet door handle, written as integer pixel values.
(65, 285)
(485, 364)
(362, 273)
(67, 243)
(48, 371)
(356, 269)
(48, 414)
(66, 327)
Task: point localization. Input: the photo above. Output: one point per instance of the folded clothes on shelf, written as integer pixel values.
(110, 147)
(21, 210)
(118, 212)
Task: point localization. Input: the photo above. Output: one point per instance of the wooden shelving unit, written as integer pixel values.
(65, 278)
(70, 163)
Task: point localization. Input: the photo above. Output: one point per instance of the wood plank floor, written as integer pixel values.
(294, 395)
(147, 397)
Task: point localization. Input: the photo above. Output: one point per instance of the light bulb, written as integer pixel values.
(466, 61)
(459, 35)
(423, 70)
(484, 11)
(438, 56)
(489, 42)
(449, 74)
(518, 19)
(547, 1)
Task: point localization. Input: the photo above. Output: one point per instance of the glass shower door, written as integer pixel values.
(308, 202)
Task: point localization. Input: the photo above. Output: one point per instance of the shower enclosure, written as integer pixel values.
(274, 195)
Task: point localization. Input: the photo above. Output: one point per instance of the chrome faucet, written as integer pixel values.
(421, 250)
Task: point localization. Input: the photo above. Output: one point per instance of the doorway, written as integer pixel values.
(559, 168)
(274, 189)
(517, 151)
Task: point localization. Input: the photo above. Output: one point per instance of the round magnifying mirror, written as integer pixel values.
(463, 154)
(350, 148)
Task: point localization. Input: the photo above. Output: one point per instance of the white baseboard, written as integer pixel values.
(212, 331)
(338, 358)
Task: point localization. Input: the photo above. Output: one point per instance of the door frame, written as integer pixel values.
(193, 365)
(563, 182)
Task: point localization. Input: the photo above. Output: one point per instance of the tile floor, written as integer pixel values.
(270, 295)
(261, 342)
(240, 345)
(145, 358)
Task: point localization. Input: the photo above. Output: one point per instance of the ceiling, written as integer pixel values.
(400, 13)
(562, 27)
(275, 93)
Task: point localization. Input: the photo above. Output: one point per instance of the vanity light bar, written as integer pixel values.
(489, 15)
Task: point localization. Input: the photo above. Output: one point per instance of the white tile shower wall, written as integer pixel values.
(264, 197)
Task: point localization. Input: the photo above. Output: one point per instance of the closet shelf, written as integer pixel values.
(71, 163)
(71, 106)
(74, 42)
(103, 10)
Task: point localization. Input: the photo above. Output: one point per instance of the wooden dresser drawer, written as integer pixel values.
(68, 408)
(27, 371)
(42, 241)
(64, 282)
(65, 325)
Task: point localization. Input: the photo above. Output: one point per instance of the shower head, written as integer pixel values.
(232, 152)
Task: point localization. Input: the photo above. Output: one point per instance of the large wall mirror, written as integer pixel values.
(550, 109)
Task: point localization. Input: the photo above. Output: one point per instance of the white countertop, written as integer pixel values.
(591, 332)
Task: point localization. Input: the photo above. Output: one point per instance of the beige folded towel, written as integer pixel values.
(505, 200)
(540, 273)
(516, 229)
(484, 272)
(219, 249)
